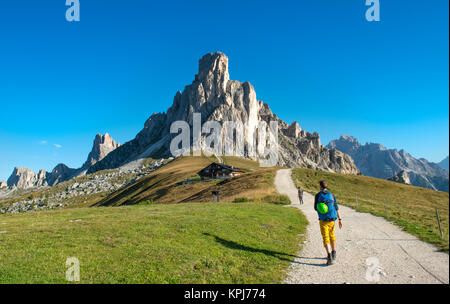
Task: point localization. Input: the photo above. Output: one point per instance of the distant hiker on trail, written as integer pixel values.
(300, 196)
(326, 206)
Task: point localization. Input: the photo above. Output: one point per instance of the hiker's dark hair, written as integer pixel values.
(323, 184)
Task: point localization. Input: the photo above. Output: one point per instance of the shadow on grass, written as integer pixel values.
(234, 245)
(279, 255)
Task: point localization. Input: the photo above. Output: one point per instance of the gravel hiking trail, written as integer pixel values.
(369, 249)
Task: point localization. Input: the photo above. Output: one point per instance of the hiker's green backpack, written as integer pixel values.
(328, 199)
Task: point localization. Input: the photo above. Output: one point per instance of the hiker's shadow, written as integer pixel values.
(311, 264)
(280, 255)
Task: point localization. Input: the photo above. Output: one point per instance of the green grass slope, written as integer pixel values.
(183, 243)
(158, 185)
(165, 184)
(412, 208)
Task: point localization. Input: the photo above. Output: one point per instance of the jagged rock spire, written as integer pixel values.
(213, 64)
(103, 145)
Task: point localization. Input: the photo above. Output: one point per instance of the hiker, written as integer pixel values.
(327, 218)
(300, 195)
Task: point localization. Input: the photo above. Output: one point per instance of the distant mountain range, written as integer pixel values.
(217, 98)
(373, 159)
(25, 178)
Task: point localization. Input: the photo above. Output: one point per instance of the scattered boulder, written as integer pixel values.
(401, 177)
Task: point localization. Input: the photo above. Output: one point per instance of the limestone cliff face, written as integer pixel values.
(217, 98)
(103, 145)
(25, 178)
(377, 161)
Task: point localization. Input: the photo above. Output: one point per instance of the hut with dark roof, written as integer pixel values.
(218, 170)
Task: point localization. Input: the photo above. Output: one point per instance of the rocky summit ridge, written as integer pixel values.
(216, 97)
(375, 160)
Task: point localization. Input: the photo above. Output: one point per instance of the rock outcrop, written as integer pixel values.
(217, 98)
(103, 145)
(24, 178)
(3, 184)
(401, 177)
(377, 161)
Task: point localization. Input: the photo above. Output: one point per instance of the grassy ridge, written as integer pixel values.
(412, 208)
(183, 243)
(164, 185)
(160, 184)
(253, 185)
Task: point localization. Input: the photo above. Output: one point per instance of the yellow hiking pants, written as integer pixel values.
(327, 231)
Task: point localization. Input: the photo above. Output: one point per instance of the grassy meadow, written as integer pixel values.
(161, 243)
(160, 230)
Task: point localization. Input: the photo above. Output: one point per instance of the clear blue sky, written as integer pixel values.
(318, 62)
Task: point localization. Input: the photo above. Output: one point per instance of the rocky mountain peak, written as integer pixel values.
(23, 178)
(217, 98)
(210, 85)
(103, 145)
(214, 97)
(345, 143)
(59, 174)
(213, 65)
(349, 138)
